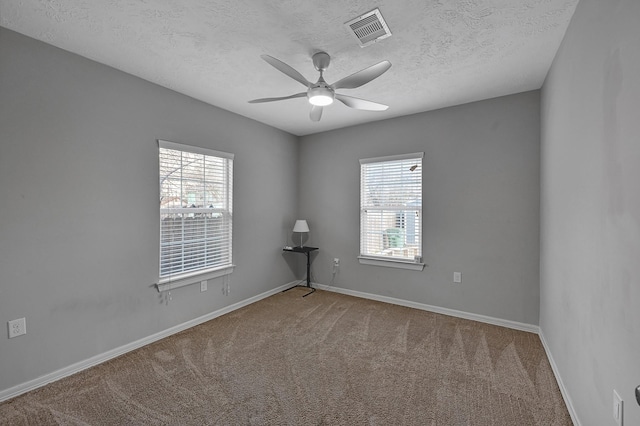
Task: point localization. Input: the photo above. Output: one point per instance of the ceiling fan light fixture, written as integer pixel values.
(321, 100)
(320, 96)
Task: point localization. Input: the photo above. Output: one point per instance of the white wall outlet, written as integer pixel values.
(336, 262)
(618, 406)
(457, 277)
(203, 285)
(17, 327)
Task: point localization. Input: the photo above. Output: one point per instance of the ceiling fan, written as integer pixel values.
(321, 94)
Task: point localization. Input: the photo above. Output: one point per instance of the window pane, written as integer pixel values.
(195, 211)
(391, 209)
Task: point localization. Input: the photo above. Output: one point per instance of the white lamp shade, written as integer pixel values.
(301, 226)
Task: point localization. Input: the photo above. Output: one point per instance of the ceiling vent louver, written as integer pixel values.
(369, 28)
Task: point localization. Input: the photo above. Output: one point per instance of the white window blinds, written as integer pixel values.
(391, 207)
(196, 210)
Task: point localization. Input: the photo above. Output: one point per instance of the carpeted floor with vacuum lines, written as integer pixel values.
(326, 359)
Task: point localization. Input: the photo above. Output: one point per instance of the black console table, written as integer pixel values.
(307, 251)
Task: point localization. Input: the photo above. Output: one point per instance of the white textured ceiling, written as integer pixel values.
(443, 52)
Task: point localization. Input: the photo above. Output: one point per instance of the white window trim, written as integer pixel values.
(189, 278)
(177, 281)
(387, 262)
(195, 149)
(392, 158)
(391, 263)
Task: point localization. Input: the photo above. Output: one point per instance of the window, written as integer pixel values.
(196, 214)
(391, 211)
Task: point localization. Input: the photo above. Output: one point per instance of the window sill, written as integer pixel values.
(391, 263)
(170, 283)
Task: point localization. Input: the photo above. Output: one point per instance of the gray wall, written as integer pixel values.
(590, 209)
(480, 205)
(79, 206)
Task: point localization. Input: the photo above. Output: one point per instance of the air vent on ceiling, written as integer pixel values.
(369, 28)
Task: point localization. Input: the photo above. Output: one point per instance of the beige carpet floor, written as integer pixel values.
(326, 359)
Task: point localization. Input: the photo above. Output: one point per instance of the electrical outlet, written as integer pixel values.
(203, 285)
(17, 327)
(457, 277)
(336, 262)
(618, 406)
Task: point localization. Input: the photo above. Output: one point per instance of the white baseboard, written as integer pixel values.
(106, 356)
(437, 309)
(563, 390)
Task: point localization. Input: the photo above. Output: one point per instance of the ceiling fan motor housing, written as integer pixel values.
(321, 61)
(321, 94)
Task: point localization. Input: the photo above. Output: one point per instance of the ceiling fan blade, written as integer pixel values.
(261, 100)
(316, 113)
(286, 69)
(358, 103)
(362, 77)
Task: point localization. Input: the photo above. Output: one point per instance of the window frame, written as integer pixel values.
(388, 261)
(181, 279)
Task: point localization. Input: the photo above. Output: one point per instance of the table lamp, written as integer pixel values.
(301, 226)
